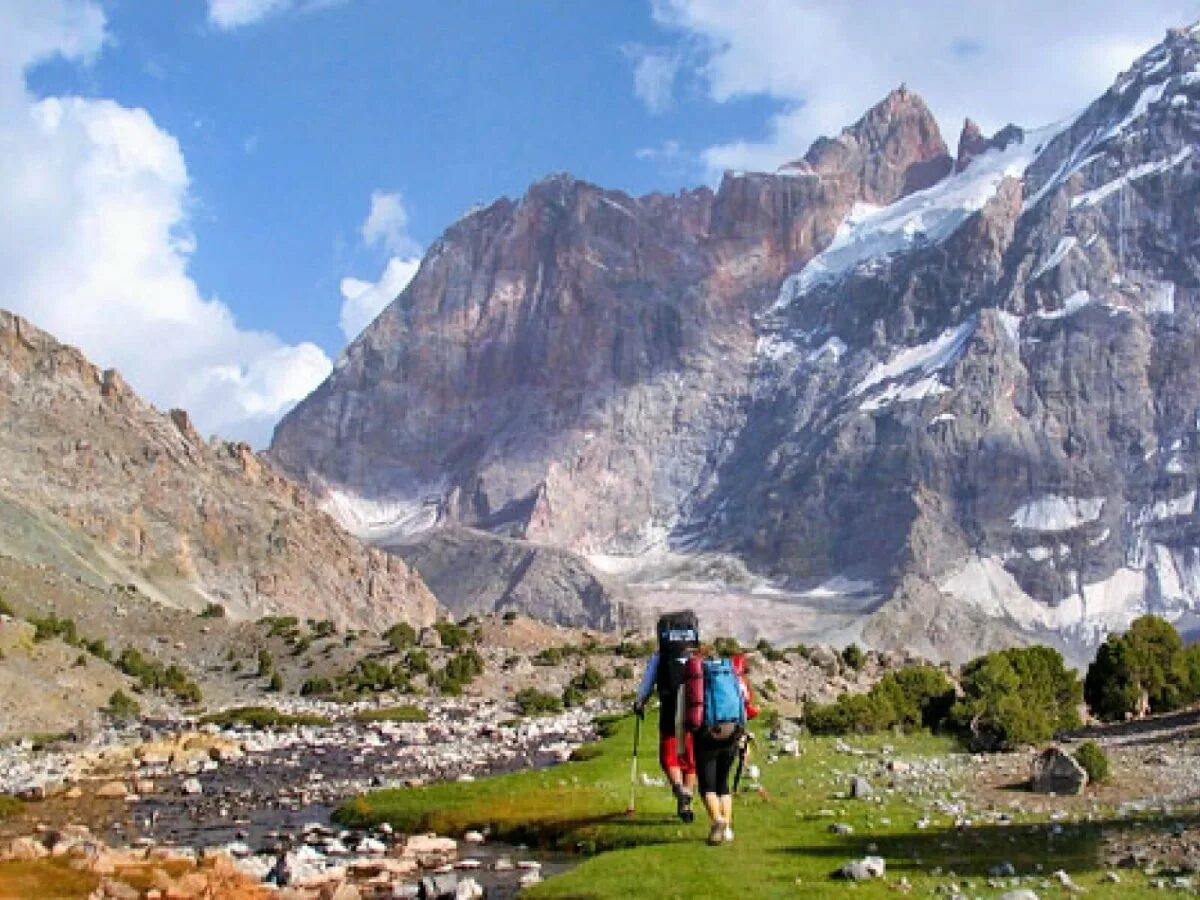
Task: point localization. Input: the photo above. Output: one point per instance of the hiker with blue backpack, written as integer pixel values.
(718, 705)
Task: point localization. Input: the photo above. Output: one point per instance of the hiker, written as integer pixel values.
(719, 704)
(678, 636)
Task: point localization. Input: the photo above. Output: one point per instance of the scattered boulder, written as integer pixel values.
(113, 790)
(864, 869)
(860, 788)
(1056, 772)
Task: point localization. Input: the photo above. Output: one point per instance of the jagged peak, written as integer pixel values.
(893, 149)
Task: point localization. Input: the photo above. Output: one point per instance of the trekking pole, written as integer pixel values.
(633, 772)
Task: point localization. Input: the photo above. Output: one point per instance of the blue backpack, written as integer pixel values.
(724, 711)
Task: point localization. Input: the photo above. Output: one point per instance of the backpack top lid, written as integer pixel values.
(677, 630)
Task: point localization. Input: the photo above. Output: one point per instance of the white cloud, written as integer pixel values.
(362, 301)
(827, 61)
(101, 255)
(387, 225)
(231, 14)
(654, 77)
(235, 13)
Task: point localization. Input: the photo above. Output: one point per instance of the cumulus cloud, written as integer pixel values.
(362, 300)
(827, 61)
(386, 225)
(100, 257)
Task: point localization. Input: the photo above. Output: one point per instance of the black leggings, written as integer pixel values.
(714, 759)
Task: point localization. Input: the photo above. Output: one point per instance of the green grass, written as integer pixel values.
(261, 717)
(783, 848)
(392, 714)
(10, 807)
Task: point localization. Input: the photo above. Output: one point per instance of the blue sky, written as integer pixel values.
(211, 189)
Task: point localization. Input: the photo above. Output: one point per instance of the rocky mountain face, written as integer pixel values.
(100, 485)
(955, 399)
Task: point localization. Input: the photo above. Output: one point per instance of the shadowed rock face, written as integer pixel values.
(982, 398)
(98, 483)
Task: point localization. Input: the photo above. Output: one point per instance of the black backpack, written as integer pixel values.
(678, 636)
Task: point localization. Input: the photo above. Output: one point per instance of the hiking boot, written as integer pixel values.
(683, 805)
(716, 834)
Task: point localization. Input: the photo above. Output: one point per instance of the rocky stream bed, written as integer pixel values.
(254, 793)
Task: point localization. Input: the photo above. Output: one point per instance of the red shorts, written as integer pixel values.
(669, 757)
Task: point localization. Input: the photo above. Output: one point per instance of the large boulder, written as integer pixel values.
(1056, 772)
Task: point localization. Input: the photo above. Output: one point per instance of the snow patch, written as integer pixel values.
(1100, 607)
(1162, 299)
(377, 521)
(905, 393)
(1065, 245)
(927, 358)
(925, 217)
(943, 417)
(1055, 513)
(1011, 324)
(1071, 305)
(1098, 195)
(1184, 505)
(834, 347)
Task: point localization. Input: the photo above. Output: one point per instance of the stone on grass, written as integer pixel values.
(1021, 894)
(860, 788)
(1056, 772)
(861, 869)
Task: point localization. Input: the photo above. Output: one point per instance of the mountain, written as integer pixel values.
(98, 484)
(885, 393)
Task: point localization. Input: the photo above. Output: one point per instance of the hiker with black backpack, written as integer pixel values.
(719, 704)
(678, 637)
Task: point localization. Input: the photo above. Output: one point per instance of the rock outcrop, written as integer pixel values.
(967, 388)
(98, 483)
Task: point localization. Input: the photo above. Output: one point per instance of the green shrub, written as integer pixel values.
(466, 666)
(401, 636)
(606, 726)
(10, 807)
(51, 626)
(6, 610)
(623, 672)
(152, 675)
(280, 626)
(316, 687)
(393, 714)
(636, 649)
(532, 702)
(726, 646)
(589, 679)
(850, 714)
(920, 696)
(585, 752)
(549, 656)
(213, 611)
(275, 685)
(453, 635)
(265, 663)
(572, 696)
(510, 616)
(854, 657)
(1094, 760)
(1014, 697)
(323, 629)
(122, 707)
(261, 717)
(417, 662)
(1148, 661)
